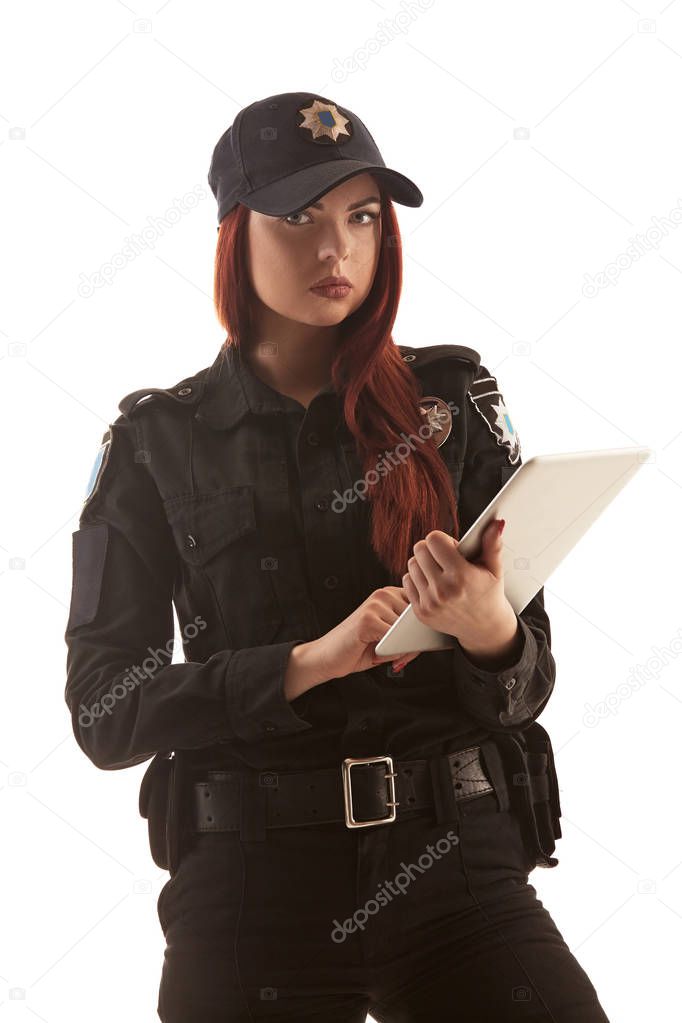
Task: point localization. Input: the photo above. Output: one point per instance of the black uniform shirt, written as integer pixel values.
(230, 500)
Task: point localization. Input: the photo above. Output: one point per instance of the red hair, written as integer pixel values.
(380, 392)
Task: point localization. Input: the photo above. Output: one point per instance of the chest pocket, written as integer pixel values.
(219, 542)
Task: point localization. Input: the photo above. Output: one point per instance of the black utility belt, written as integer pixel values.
(363, 792)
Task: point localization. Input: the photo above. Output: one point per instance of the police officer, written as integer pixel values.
(344, 835)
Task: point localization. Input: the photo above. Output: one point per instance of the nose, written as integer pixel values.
(335, 242)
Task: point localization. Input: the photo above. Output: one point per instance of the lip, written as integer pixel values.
(332, 292)
(332, 282)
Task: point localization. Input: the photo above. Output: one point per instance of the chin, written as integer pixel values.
(334, 313)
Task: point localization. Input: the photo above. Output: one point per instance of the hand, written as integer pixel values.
(461, 598)
(349, 647)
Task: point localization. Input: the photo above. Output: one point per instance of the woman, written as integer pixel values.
(345, 833)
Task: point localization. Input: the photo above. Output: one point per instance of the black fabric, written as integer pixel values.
(413, 922)
(218, 496)
(217, 499)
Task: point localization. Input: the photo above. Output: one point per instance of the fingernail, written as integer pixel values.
(398, 665)
(500, 526)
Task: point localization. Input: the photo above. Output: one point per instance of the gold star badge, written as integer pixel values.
(438, 417)
(324, 121)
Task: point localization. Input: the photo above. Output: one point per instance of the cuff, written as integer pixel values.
(256, 705)
(510, 682)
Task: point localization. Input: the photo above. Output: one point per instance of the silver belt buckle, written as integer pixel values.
(349, 762)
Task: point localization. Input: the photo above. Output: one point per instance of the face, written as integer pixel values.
(328, 239)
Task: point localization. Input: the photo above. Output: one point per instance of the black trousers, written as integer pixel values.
(410, 922)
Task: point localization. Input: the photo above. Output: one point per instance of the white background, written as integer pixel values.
(544, 137)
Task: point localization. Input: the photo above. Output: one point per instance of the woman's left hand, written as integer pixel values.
(461, 598)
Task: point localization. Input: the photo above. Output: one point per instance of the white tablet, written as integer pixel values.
(548, 504)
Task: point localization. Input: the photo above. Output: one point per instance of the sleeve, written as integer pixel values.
(514, 695)
(127, 701)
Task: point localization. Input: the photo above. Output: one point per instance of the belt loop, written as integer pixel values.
(252, 808)
(447, 810)
(492, 761)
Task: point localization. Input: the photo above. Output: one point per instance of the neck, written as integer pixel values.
(292, 356)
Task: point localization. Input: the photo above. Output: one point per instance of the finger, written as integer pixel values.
(383, 623)
(396, 600)
(416, 576)
(380, 658)
(444, 549)
(404, 659)
(493, 548)
(411, 590)
(429, 570)
(378, 625)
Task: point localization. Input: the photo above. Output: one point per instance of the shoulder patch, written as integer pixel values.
(488, 401)
(417, 357)
(98, 467)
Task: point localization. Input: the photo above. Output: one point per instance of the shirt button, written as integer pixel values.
(312, 438)
(510, 683)
(331, 582)
(322, 504)
(268, 725)
(364, 725)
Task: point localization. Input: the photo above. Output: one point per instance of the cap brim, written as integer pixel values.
(298, 190)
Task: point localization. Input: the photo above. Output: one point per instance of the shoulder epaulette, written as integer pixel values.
(187, 392)
(418, 357)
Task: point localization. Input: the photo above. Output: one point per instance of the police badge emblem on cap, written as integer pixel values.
(324, 122)
(438, 417)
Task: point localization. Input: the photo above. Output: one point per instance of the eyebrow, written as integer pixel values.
(353, 205)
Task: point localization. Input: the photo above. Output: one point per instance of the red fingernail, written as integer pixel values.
(500, 526)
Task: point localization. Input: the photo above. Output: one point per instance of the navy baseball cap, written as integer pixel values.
(282, 153)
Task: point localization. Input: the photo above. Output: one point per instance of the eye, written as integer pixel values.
(287, 221)
(367, 213)
(361, 213)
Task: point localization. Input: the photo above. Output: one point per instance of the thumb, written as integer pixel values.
(493, 546)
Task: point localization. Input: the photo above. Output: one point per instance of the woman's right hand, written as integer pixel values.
(349, 646)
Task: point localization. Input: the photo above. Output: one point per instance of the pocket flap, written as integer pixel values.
(203, 524)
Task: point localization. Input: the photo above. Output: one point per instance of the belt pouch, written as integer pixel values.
(544, 792)
(155, 791)
(518, 771)
(178, 812)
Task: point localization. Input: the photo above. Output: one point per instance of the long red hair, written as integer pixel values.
(380, 392)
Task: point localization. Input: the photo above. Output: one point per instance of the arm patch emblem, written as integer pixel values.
(488, 401)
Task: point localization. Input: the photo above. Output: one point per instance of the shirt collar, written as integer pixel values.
(232, 390)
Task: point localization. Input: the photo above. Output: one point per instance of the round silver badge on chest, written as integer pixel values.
(438, 416)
